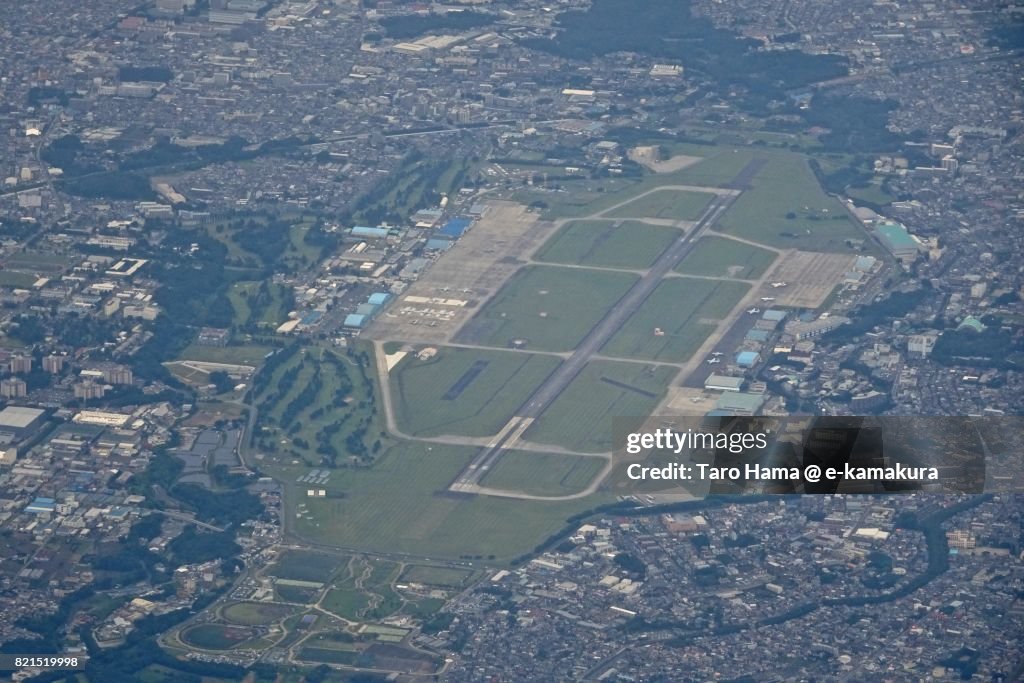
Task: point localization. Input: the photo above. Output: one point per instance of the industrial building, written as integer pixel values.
(18, 423)
(747, 359)
(723, 383)
(737, 403)
(898, 241)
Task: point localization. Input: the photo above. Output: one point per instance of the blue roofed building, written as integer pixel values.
(355, 321)
(455, 227)
(368, 310)
(438, 244)
(757, 335)
(41, 505)
(747, 359)
(363, 231)
(378, 298)
(773, 315)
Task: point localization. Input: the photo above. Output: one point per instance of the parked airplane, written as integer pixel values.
(779, 284)
(767, 298)
(753, 311)
(712, 361)
(716, 354)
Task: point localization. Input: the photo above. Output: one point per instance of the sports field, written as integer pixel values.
(675, 319)
(216, 636)
(787, 208)
(541, 474)
(676, 205)
(547, 308)
(401, 505)
(255, 613)
(247, 354)
(581, 417)
(10, 278)
(469, 392)
(721, 257)
(608, 244)
(306, 565)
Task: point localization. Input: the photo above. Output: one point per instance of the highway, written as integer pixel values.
(469, 479)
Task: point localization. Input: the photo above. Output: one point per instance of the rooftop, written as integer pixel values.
(18, 417)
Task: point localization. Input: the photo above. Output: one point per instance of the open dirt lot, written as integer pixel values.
(809, 276)
(466, 276)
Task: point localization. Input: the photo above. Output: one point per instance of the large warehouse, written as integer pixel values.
(17, 423)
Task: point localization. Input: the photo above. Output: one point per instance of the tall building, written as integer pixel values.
(922, 344)
(117, 375)
(89, 390)
(21, 364)
(13, 388)
(53, 364)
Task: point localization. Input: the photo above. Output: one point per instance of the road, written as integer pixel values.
(469, 479)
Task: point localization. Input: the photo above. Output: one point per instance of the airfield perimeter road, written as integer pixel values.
(469, 479)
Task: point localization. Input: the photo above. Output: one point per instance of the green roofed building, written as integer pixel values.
(971, 323)
(739, 403)
(898, 241)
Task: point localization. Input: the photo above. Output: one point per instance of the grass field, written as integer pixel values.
(718, 256)
(401, 505)
(787, 208)
(677, 205)
(685, 309)
(346, 603)
(541, 474)
(247, 354)
(10, 278)
(215, 636)
(327, 656)
(609, 244)
(584, 197)
(255, 613)
(302, 596)
(464, 391)
(318, 405)
(46, 264)
(581, 417)
(428, 575)
(542, 306)
(304, 565)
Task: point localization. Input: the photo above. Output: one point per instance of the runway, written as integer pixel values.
(469, 479)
